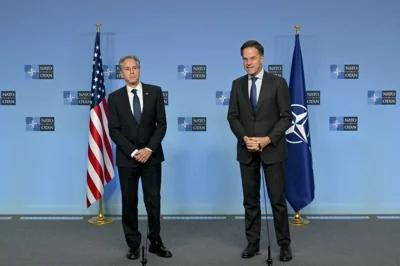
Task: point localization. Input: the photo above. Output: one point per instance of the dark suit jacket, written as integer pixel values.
(128, 135)
(272, 117)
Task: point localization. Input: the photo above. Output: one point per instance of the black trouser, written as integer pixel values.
(151, 185)
(275, 181)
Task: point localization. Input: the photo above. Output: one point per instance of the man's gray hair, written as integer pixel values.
(134, 57)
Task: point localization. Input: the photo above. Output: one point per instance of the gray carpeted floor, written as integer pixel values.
(197, 242)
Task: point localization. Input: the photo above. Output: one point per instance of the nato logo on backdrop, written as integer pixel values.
(77, 97)
(39, 71)
(313, 97)
(382, 97)
(112, 71)
(165, 96)
(222, 97)
(192, 123)
(192, 72)
(343, 123)
(40, 123)
(276, 70)
(344, 71)
(8, 98)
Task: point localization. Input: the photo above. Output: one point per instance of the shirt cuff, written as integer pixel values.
(133, 153)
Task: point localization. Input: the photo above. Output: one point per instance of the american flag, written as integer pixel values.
(100, 160)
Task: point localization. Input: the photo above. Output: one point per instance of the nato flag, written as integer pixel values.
(299, 171)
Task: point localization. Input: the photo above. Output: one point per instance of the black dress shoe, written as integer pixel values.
(159, 249)
(133, 254)
(286, 253)
(251, 250)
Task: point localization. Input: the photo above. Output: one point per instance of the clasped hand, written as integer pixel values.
(142, 155)
(256, 144)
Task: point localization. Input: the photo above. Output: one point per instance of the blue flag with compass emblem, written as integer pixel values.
(298, 168)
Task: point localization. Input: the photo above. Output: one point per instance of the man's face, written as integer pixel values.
(252, 61)
(130, 71)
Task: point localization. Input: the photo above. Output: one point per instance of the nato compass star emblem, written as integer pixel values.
(185, 72)
(222, 98)
(298, 131)
(31, 72)
(374, 98)
(33, 124)
(70, 98)
(337, 72)
(185, 124)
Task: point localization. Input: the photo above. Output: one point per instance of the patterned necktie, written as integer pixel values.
(136, 106)
(253, 94)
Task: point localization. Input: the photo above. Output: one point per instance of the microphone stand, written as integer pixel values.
(269, 260)
(144, 250)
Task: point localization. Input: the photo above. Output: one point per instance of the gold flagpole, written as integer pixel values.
(297, 27)
(297, 219)
(100, 219)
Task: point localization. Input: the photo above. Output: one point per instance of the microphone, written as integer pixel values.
(269, 260)
(144, 250)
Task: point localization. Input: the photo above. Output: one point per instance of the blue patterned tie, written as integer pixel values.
(136, 106)
(253, 94)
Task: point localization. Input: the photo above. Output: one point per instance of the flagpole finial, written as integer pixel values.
(98, 27)
(297, 29)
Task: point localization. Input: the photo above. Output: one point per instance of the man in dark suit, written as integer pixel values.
(259, 115)
(137, 125)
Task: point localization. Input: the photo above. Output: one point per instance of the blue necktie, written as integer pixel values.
(253, 94)
(136, 106)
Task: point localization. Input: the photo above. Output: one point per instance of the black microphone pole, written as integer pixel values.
(144, 250)
(269, 260)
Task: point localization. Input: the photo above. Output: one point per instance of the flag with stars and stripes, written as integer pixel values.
(100, 160)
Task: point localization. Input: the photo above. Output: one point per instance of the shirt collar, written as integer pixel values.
(138, 87)
(259, 75)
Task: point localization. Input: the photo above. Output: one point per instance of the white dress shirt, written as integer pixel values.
(258, 82)
(139, 93)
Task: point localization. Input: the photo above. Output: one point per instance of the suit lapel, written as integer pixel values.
(145, 100)
(261, 97)
(245, 93)
(127, 105)
(263, 91)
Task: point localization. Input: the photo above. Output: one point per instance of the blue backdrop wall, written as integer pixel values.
(356, 172)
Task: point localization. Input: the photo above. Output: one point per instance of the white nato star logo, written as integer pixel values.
(33, 123)
(70, 98)
(185, 124)
(108, 71)
(298, 133)
(184, 72)
(31, 71)
(337, 71)
(374, 97)
(336, 123)
(222, 98)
